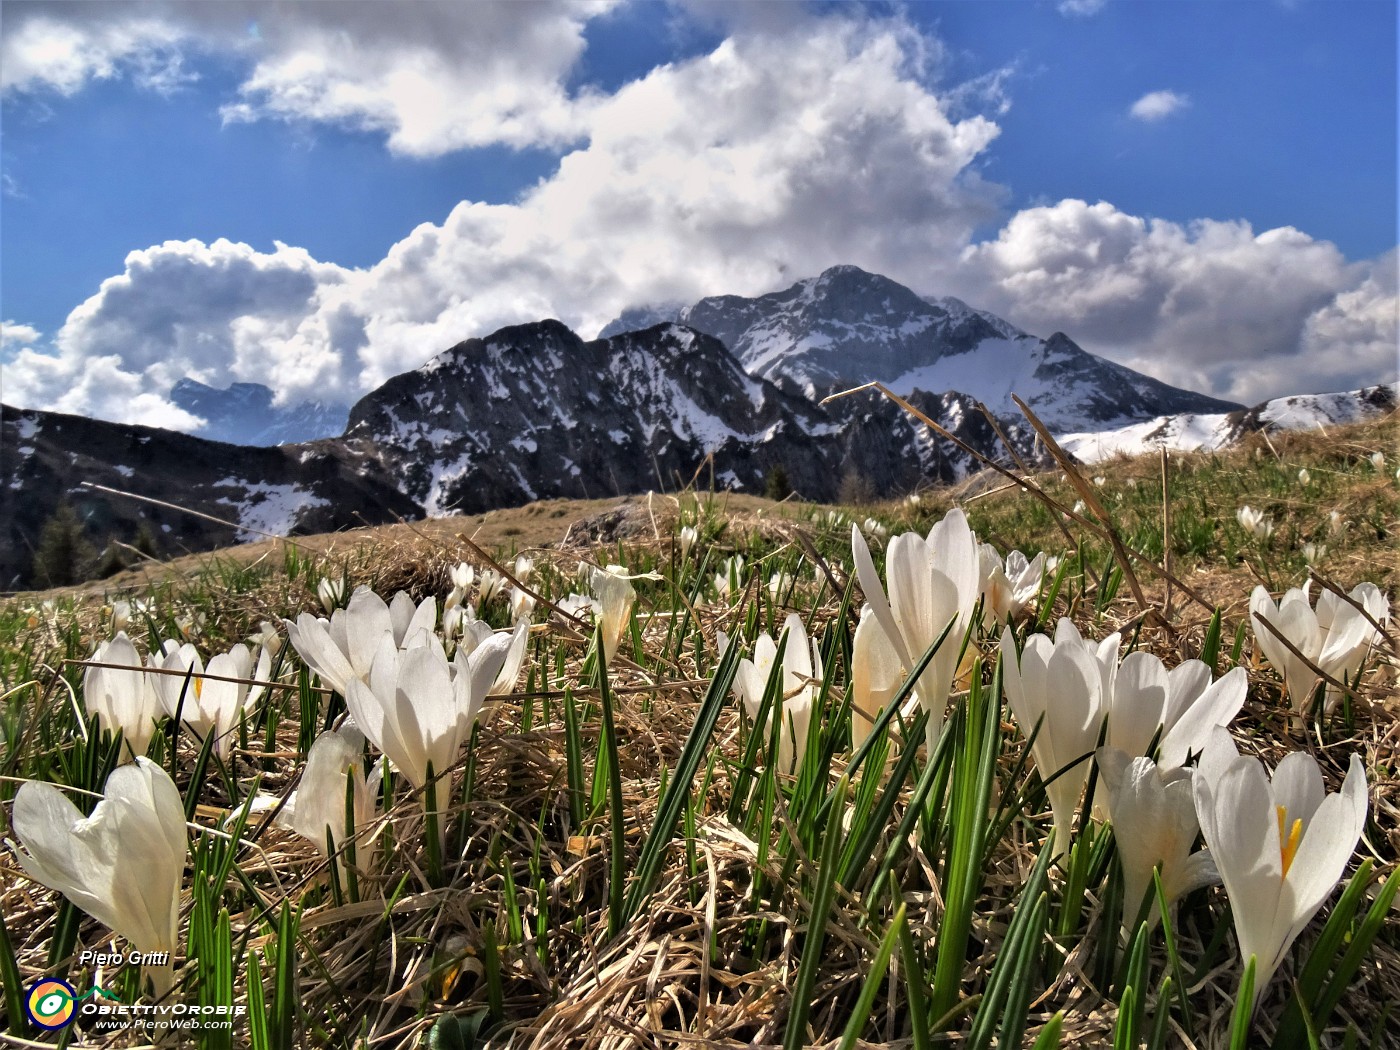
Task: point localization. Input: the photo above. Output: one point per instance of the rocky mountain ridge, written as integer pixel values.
(846, 327)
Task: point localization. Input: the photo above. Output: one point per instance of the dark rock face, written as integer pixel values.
(318, 487)
(534, 412)
(245, 415)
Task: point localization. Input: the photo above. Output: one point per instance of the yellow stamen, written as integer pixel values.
(199, 687)
(1288, 844)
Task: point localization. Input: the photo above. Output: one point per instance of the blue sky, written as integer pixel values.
(1205, 191)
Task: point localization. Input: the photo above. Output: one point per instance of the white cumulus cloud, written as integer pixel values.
(739, 170)
(218, 313)
(42, 51)
(433, 76)
(1210, 305)
(1158, 105)
(14, 334)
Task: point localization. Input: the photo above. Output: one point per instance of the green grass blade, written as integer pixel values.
(677, 793)
(1009, 983)
(573, 757)
(1361, 942)
(1244, 1009)
(973, 775)
(1132, 1005)
(1049, 1038)
(617, 818)
(1174, 958)
(871, 988)
(9, 970)
(284, 999)
(1313, 974)
(259, 1035)
(915, 982)
(795, 1031)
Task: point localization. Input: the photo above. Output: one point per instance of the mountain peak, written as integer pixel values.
(244, 414)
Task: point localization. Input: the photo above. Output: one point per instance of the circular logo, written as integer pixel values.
(51, 1003)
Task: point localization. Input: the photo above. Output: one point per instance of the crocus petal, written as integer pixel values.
(1297, 786)
(1238, 820)
(1328, 842)
(876, 674)
(312, 639)
(1217, 705)
(875, 596)
(367, 619)
(509, 673)
(1138, 704)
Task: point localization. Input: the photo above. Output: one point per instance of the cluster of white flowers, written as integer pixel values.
(1334, 638)
(1279, 848)
(131, 697)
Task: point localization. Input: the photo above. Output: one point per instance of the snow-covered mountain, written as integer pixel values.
(243, 414)
(847, 327)
(1205, 432)
(535, 412)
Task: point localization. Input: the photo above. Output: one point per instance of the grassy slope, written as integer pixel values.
(556, 978)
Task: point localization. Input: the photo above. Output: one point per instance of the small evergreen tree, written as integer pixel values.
(776, 486)
(113, 561)
(145, 541)
(64, 554)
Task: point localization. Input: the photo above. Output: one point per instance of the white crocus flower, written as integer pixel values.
(316, 809)
(121, 615)
(1378, 460)
(330, 592)
(1060, 686)
(730, 577)
(1304, 477)
(524, 567)
(581, 605)
(689, 534)
(876, 675)
(267, 637)
(1335, 637)
(933, 582)
(1154, 822)
(476, 633)
(1183, 703)
(875, 528)
(122, 699)
(463, 576)
(342, 648)
(415, 709)
(778, 585)
(615, 595)
(123, 865)
(1008, 587)
(489, 584)
(1281, 845)
(217, 706)
(1314, 552)
(522, 606)
(802, 664)
(1255, 522)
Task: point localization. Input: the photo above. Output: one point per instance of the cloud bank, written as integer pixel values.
(792, 145)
